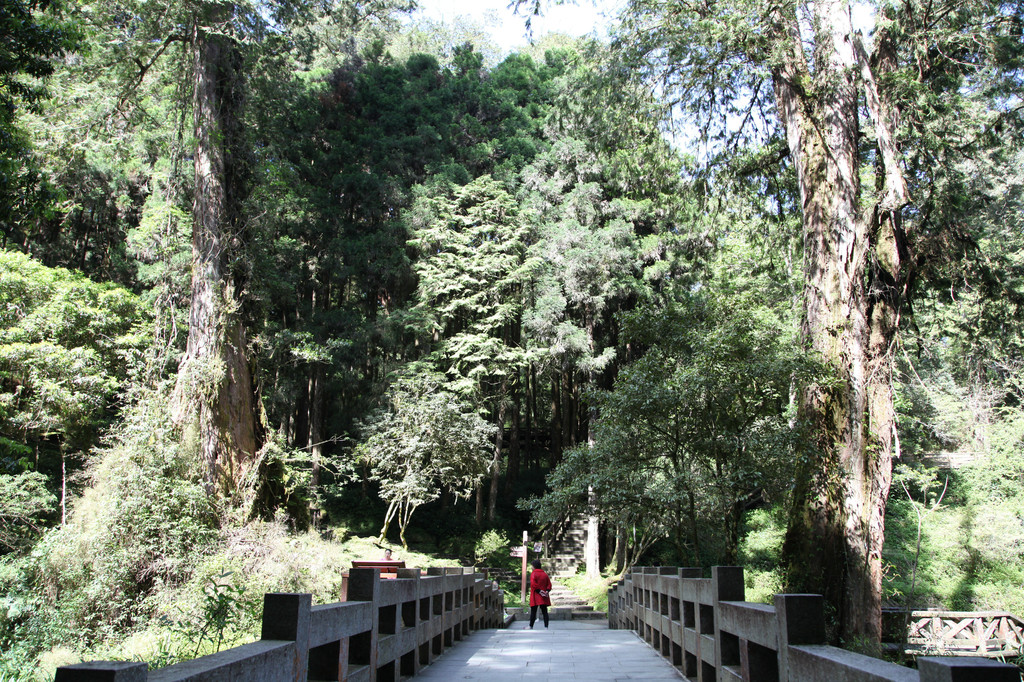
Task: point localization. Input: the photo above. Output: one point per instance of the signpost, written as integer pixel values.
(521, 551)
(525, 540)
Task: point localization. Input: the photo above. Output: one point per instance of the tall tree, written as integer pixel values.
(806, 68)
(215, 46)
(602, 203)
(428, 439)
(215, 379)
(472, 274)
(34, 35)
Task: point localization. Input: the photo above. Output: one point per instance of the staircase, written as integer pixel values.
(565, 605)
(565, 549)
(563, 556)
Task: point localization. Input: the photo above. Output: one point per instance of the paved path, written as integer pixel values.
(568, 650)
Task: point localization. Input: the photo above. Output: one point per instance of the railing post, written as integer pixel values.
(801, 620)
(726, 585)
(103, 671)
(951, 669)
(286, 617)
(364, 585)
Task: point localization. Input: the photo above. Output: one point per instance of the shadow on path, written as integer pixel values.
(567, 650)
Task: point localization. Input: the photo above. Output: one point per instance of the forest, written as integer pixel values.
(286, 282)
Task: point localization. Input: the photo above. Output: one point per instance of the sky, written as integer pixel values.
(586, 17)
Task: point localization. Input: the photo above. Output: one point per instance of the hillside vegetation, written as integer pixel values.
(284, 283)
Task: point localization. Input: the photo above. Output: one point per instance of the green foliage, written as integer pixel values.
(444, 39)
(471, 272)
(36, 33)
(694, 430)
(143, 525)
(426, 441)
(520, 228)
(971, 541)
(492, 550)
(67, 347)
(222, 603)
(25, 506)
(763, 533)
(594, 591)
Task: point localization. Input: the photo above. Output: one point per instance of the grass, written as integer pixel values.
(513, 595)
(594, 591)
(258, 558)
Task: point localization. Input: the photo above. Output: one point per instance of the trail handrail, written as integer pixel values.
(707, 630)
(992, 634)
(381, 630)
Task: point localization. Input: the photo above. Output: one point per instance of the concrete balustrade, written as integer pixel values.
(382, 631)
(707, 630)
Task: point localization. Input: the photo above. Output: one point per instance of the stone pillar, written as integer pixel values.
(286, 617)
(801, 620)
(956, 669)
(726, 585)
(364, 585)
(103, 671)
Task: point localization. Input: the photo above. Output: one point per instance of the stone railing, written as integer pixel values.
(383, 630)
(705, 629)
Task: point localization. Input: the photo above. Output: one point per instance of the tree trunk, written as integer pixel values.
(569, 426)
(608, 556)
(499, 440)
(215, 386)
(63, 487)
(591, 548)
(514, 445)
(556, 419)
(694, 525)
(620, 549)
(316, 438)
(834, 540)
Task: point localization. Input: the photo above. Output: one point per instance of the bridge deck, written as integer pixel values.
(568, 650)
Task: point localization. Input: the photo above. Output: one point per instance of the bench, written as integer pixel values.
(388, 569)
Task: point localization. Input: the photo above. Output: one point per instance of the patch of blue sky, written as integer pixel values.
(508, 28)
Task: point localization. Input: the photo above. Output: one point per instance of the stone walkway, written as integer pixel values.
(568, 650)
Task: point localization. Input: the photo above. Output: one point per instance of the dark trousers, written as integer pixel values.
(533, 614)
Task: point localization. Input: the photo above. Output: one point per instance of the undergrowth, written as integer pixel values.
(594, 591)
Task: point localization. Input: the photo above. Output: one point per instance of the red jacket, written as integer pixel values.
(539, 580)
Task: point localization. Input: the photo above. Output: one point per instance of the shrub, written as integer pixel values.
(492, 550)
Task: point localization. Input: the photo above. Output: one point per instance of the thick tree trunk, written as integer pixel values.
(834, 540)
(214, 388)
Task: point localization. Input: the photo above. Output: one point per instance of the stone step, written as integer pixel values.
(565, 613)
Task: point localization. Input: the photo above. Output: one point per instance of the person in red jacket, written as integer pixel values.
(540, 593)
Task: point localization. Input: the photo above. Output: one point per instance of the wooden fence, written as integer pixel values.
(706, 629)
(381, 631)
(991, 634)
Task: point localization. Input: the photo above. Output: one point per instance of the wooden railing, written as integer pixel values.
(382, 630)
(991, 634)
(706, 629)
